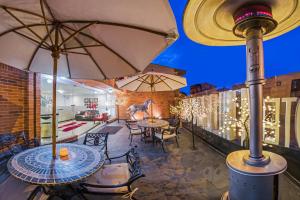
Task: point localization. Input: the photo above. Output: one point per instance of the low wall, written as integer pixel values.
(225, 146)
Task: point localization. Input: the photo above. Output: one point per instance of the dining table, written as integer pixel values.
(152, 124)
(37, 166)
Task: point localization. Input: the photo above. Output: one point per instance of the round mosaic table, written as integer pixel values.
(36, 165)
(152, 123)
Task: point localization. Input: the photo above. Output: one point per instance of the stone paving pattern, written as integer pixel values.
(181, 173)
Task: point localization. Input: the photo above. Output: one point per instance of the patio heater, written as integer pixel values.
(253, 173)
(255, 169)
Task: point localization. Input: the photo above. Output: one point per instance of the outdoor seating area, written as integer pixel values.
(137, 100)
(176, 174)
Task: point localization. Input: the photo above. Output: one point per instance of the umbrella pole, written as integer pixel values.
(55, 56)
(151, 108)
(54, 108)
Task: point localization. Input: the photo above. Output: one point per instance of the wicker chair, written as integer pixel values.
(115, 178)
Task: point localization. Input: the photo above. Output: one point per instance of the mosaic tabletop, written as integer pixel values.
(153, 123)
(37, 166)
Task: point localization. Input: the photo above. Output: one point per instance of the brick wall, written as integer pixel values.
(17, 94)
(280, 86)
(161, 107)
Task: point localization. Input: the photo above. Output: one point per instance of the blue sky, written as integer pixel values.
(225, 66)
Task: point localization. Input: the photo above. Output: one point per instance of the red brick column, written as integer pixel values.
(17, 94)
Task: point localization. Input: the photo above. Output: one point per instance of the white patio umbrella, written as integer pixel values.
(87, 39)
(152, 82)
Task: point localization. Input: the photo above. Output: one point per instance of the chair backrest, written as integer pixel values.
(175, 121)
(96, 139)
(9, 139)
(133, 160)
(4, 157)
(12, 144)
(6, 140)
(131, 124)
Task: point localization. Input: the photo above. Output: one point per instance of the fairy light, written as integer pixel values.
(270, 123)
(177, 109)
(199, 109)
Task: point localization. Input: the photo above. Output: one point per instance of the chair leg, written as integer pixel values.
(78, 192)
(177, 141)
(162, 145)
(130, 139)
(153, 136)
(35, 192)
(106, 153)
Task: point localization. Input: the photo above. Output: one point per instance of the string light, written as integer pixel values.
(200, 108)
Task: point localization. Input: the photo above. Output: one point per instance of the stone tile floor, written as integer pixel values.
(181, 173)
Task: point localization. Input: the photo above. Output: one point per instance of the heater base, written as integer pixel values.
(250, 182)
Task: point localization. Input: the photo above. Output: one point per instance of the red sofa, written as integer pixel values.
(103, 117)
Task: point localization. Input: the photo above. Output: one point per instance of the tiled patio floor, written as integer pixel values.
(181, 173)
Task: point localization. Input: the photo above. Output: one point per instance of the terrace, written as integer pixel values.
(86, 114)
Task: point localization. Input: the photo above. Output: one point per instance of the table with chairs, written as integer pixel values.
(83, 170)
(157, 129)
(36, 166)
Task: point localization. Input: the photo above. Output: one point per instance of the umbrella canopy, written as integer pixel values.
(94, 36)
(87, 39)
(152, 81)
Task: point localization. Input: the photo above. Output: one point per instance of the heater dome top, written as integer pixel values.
(211, 22)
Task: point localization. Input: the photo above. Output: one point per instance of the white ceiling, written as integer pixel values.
(69, 87)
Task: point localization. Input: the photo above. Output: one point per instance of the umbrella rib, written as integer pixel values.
(132, 81)
(21, 22)
(96, 40)
(121, 25)
(67, 57)
(142, 83)
(20, 27)
(174, 80)
(45, 21)
(21, 10)
(165, 83)
(75, 32)
(158, 80)
(29, 38)
(37, 48)
(144, 80)
(96, 45)
(74, 52)
(49, 9)
(89, 54)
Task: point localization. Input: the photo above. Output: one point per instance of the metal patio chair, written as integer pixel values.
(98, 140)
(167, 133)
(115, 178)
(134, 130)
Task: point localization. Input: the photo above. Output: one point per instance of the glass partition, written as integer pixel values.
(79, 108)
(223, 120)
